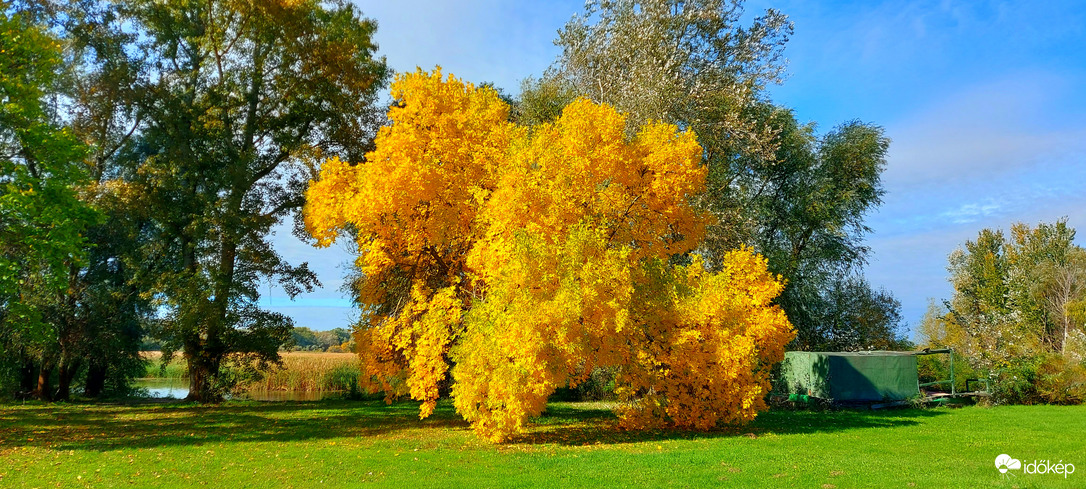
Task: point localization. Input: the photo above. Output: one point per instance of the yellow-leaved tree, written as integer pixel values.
(516, 260)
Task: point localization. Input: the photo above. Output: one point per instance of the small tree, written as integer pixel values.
(1014, 310)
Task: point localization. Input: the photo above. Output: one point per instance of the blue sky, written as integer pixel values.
(985, 103)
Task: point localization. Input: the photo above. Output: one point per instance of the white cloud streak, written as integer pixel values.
(986, 129)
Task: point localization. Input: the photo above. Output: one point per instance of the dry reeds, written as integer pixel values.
(310, 372)
(301, 372)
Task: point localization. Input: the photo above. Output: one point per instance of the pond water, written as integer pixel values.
(178, 389)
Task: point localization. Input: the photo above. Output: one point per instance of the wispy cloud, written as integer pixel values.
(970, 212)
(916, 231)
(1009, 124)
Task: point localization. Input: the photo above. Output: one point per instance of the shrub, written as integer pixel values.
(1060, 380)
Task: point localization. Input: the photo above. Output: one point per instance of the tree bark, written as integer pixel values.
(43, 391)
(203, 369)
(201, 382)
(67, 370)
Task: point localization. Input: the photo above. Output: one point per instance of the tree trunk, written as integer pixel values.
(201, 383)
(96, 380)
(205, 354)
(43, 391)
(203, 369)
(1066, 332)
(198, 381)
(27, 378)
(68, 368)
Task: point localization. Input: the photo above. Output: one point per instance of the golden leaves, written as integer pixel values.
(530, 257)
(707, 354)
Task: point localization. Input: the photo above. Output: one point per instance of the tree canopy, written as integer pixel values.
(516, 259)
(42, 219)
(773, 183)
(240, 101)
(204, 122)
(1015, 312)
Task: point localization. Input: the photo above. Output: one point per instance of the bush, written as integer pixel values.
(600, 386)
(1015, 384)
(1060, 380)
(1050, 378)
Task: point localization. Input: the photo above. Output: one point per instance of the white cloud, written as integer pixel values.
(985, 157)
(911, 260)
(970, 212)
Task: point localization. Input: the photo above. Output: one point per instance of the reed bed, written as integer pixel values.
(311, 372)
(301, 372)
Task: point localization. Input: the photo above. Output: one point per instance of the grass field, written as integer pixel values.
(359, 444)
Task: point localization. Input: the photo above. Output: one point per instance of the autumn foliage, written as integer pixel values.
(506, 261)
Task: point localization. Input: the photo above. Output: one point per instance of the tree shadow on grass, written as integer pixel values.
(570, 424)
(148, 425)
(105, 427)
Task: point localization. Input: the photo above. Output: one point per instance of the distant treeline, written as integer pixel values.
(305, 339)
(301, 339)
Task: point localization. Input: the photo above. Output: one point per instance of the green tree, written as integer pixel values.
(1014, 313)
(687, 62)
(854, 316)
(542, 100)
(309, 340)
(980, 307)
(803, 206)
(42, 220)
(303, 338)
(1046, 272)
(101, 315)
(224, 110)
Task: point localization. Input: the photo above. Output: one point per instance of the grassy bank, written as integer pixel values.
(301, 372)
(351, 444)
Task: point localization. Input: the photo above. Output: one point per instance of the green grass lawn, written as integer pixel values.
(345, 443)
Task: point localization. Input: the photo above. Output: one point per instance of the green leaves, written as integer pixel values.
(41, 219)
(1017, 309)
(239, 101)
